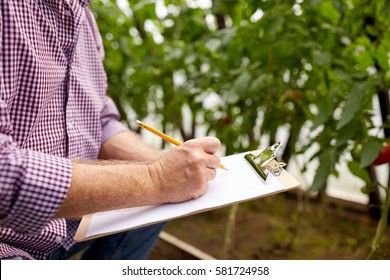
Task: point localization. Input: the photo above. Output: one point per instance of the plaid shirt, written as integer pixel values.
(53, 109)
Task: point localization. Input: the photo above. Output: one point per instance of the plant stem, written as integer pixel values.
(228, 240)
(302, 204)
(381, 227)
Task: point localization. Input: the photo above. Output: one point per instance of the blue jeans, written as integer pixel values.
(135, 244)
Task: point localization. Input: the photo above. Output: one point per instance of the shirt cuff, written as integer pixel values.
(41, 184)
(112, 128)
(111, 124)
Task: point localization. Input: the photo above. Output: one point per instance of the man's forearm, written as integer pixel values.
(128, 146)
(112, 184)
(100, 187)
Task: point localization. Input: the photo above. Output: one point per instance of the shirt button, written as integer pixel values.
(70, 125)
(68, 13)
(59, 239)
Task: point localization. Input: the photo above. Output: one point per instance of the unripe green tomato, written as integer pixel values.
(386, 78)
(357, 152)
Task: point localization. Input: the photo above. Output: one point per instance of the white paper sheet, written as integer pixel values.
(240, 183)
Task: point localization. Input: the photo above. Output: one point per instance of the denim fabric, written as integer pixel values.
(135, 244)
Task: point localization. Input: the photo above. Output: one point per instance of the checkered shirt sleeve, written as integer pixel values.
(53, 109)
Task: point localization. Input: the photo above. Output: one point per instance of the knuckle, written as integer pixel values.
(195, 157)
(191, 143)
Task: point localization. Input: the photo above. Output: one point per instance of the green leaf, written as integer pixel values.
(329, 12)
(231, 96)
(370, 152)
(242, 83)
(353, 104)
(227, 36)
(262, 81)
(173, 54)
(213, 44)
(358, 171)
(365, 60)
(382, 55)
(321, 58)
(276, 23)
(325, 110)
(345, 135)
(327, 160)
(369, 188)
(322, 116)
(342, 75)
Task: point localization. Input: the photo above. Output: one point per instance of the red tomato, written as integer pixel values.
(227, 120)
(383, 156)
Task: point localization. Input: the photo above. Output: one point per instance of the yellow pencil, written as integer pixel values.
(164, 136)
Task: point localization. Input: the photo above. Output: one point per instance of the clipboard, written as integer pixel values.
(242, 182)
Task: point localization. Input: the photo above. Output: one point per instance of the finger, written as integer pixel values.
(197, 195)
(211, 174)
(213, 162)
(209, 144)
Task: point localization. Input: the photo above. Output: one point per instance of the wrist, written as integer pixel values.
(156, 182)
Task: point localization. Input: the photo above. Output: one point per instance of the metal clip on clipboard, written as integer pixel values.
(265, 161)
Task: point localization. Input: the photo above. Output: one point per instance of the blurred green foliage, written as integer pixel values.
(245, 69)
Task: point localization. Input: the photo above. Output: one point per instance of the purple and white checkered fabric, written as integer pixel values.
(53, 109)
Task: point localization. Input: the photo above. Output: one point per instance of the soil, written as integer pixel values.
(282, 227)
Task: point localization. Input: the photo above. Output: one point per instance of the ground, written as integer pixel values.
(283, 227)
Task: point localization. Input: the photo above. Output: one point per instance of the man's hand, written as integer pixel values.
(183, 173)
